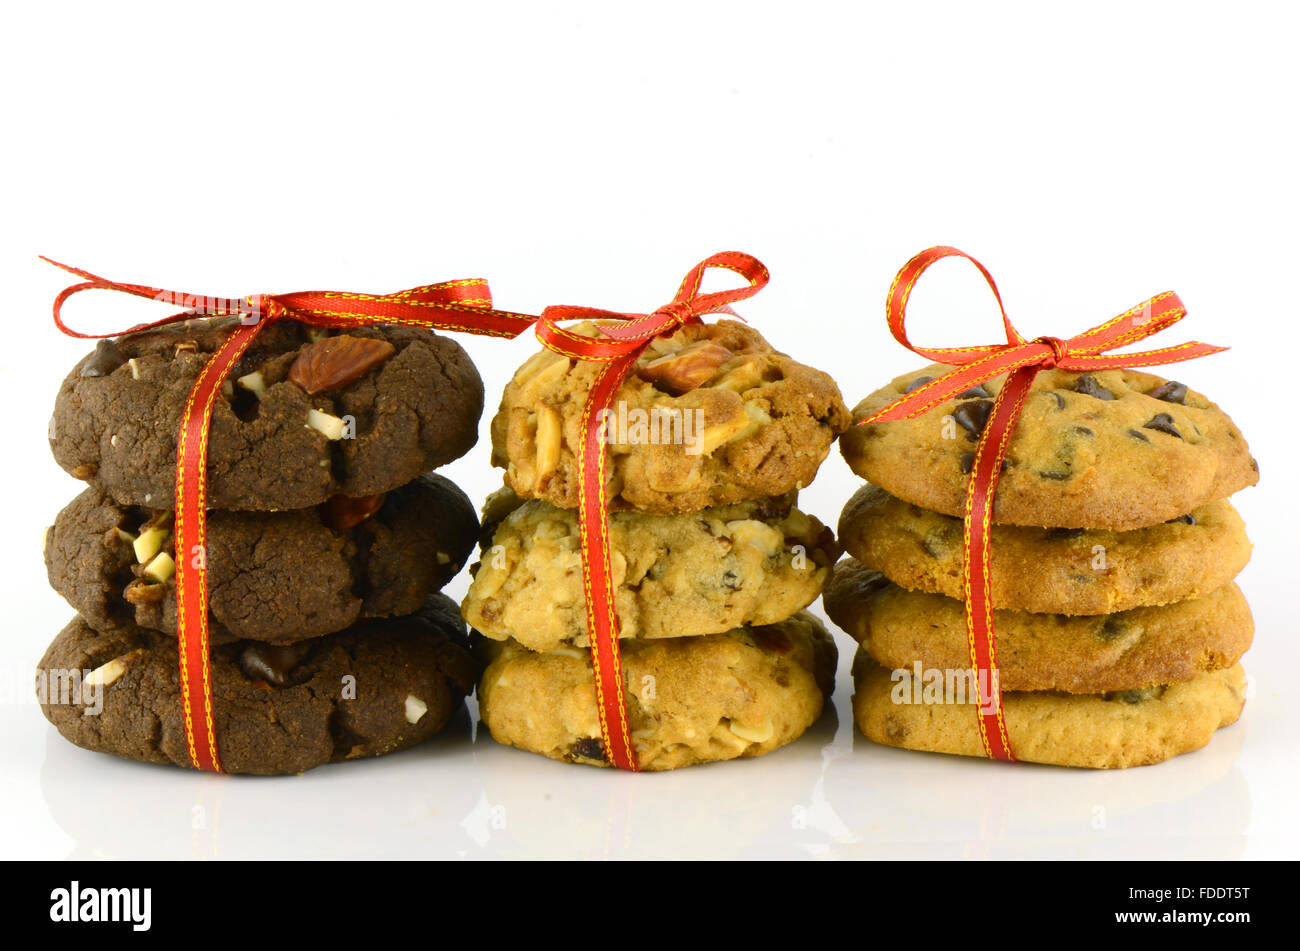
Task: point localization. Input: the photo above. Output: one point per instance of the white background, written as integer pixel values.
(1090, 155)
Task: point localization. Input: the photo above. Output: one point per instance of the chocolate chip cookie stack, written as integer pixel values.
(328, 541)
(708, 441)
(1114, 550)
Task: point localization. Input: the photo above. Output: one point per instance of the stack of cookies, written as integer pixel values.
(1113, 553)
(328, 540)
(708, 441)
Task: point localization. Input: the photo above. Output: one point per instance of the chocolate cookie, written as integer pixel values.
(1117, 449)
(689, 699)
(1089, 654)
(276, 577)
(674, 575)
(1051, 570)
(378, 687)
(1099, 731)
(711, 415)
(306, 415)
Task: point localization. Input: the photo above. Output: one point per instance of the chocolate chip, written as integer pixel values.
(1171, 392)
(1163, 423)
(1082, 431)
(973, 417)
(104, 360)
(1140, 437)
(775, 507)
(916, 384)
(1136, 696)
(1060, 401)
(275, 665)
(731, 580)
(1112, 628)
(930, 546)
(976, 392)
(1057, 475)
(1088, 386)
(1188, 519)
(588, 748)
(967, 463)
(1058, 534)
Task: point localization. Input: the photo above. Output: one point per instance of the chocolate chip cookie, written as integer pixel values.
(1117, 449)
(1085, 654)
(1051, 570)
(689, 700)
(701, 573)
(711, 415)
(276, 577)
(1100, 731)
(378, 687)
(306, 414)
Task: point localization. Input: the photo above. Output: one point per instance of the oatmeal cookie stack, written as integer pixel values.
(328, 540)
(1113, 553)
(708, 441)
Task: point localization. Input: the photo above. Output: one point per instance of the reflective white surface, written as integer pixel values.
(833, 794)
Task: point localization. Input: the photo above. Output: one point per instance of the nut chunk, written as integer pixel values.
(683, 371)
(333, 362)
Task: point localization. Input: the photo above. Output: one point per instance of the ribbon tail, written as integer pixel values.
(191, 549)
(981, 490)
(602, 615)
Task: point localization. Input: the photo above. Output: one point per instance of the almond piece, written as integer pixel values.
(140, 591)
(755, 734)
(108, 674)
(548, 442)
(342, 512)
(689, 367)
(333, 362)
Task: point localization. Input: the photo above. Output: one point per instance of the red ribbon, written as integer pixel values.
(619, 347)
(454, 305)
(1021, 359)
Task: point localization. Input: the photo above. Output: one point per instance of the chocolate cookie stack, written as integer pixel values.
(1113, 552)
(328, 541)
(708, 441)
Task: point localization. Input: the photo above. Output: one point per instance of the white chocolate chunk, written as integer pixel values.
(135, 368)
(149, 543)
(254, 383)
(415, 708)
(331, 427)
(161, 568)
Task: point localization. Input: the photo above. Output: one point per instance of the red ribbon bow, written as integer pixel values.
(1021, 359)
(454, 305)
(619, 347)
